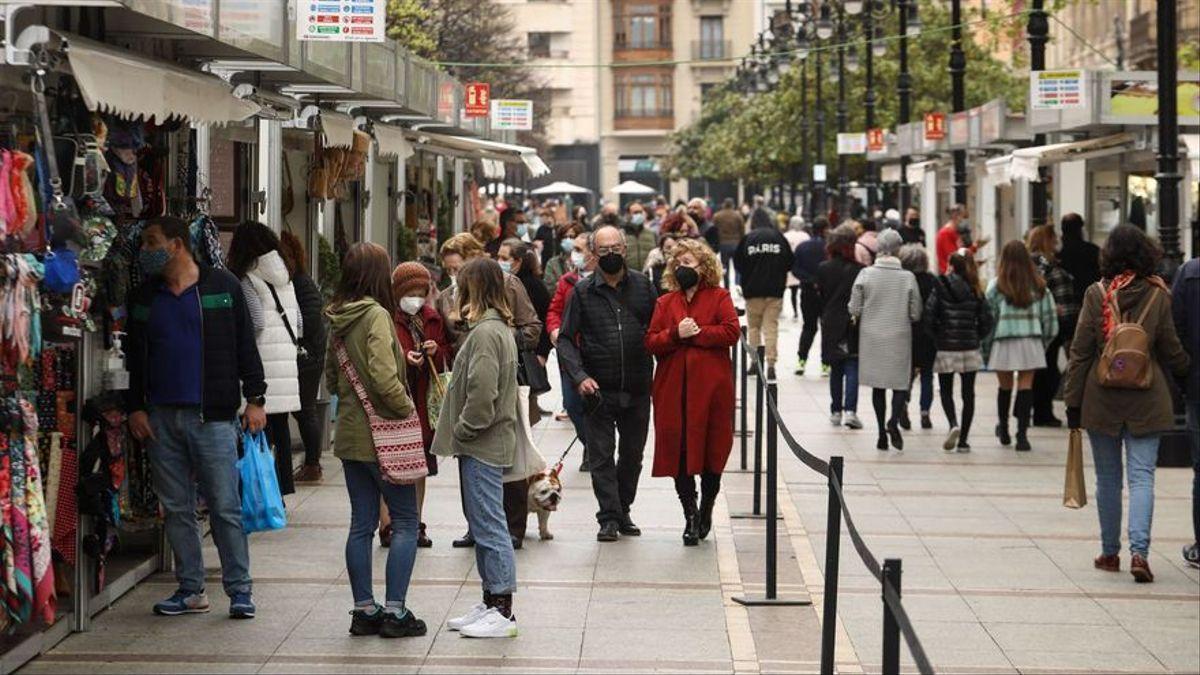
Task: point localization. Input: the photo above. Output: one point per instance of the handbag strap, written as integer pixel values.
(279, 308)
(46, 137)
(352, 376)
(433, 375)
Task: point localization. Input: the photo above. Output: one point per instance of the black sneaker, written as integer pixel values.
(894, 435)
(904, 421)
(1002, 434)
(926, 423)
(366, 623)
(608, 532)
(399, 627)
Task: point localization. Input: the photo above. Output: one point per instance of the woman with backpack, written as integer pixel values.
(1116, 387)
(1025, 325)
(959, 319)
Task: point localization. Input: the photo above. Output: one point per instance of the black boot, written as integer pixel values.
(1021, 410)
(691, 527)
(1003, 401)
(704, 523)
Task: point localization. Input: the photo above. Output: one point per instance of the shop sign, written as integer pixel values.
(876, 140)
(819, 172)
(341, 21)
(479, 99)
(935, 126)
(1132, 98)
(853, 143)
(445, 101)
(512, 114)
(1057, 89)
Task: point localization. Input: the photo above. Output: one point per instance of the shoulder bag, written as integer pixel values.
(399, 446)
(303, 358)
(1125, 361)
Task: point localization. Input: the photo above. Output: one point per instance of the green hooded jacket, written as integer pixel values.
(366, 329)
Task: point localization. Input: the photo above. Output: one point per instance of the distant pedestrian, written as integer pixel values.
(601, 344)
(694, 326)
(1026, 322)
(885, 301)
(560, 263)
(959, 318)
(697, 210)
(866, 249)
(914, 259)
(311, 364)
(640, 240)
(478, 424)
(807, 258)
(763, 260)
(795, 235)
(513, 224)
(1079, 257)
(361, 317)
(839, 334)
(1185, 307)
(656, 262)
(731, 227)
(1043, 244)
(910, 228)
(1115, 416)
(949, 237)
(584, 264)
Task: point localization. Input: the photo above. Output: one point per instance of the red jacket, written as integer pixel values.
(558, 304)
(693, 383)
(432, 328)
(948, 242)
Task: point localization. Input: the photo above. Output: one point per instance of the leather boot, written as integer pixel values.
(1022, 409)
(691, 516)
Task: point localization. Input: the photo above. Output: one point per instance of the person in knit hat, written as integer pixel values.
(427, 350)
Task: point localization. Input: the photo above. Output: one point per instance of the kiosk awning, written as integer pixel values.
(129, 86)
(338, 129)
(391, 142)
(481, 149)
(1023, 164)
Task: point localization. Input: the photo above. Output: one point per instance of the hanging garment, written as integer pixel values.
(21, 194)
(44, 598)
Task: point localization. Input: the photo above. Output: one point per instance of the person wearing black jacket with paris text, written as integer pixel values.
(601, 345)
(763, 260)
(192, 361)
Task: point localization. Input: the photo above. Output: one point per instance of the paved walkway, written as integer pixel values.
(997, 576)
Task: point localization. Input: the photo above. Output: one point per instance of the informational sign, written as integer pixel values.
(341, 21)
(935, 126)
(876, 140)
(479, 99)
(1057, 89)
(512, 114)
(852, 143)
(819, 172)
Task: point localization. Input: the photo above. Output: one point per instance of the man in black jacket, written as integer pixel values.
(1079, 257)
(602, 347)
(762, 261)
(192, 359)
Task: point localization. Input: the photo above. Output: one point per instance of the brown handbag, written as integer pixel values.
(1125, 362)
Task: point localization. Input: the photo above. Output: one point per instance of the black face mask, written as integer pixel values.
(686, 277)
(913, 222)
(612, 263)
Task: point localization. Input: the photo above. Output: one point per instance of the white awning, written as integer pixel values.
(998, 170)
(391, 142)
(479, 148)
(338, 129)
(492, 168)
(889, 173)
(129, 86)
(915, 173)
(1023, 164)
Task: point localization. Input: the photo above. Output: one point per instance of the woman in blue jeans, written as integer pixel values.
(1116, 416)
(360, 319)
(839, 335)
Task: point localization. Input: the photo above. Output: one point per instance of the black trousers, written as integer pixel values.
(946, 385)
(615, 476)
(810, 312)
(309, 418)
(280, 436)
(1047, 380)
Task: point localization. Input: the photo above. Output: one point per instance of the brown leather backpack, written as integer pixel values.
(1125, 362)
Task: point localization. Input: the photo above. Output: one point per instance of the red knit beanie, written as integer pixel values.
(409, 277)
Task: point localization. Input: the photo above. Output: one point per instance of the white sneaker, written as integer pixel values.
(951, 440)
(469, 618)
(835, 419)
(492, 624)
(851, 420)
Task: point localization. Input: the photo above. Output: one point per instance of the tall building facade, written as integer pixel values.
(665, 55)
(1124, 31)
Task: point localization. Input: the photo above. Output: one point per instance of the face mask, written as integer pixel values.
(687, 277)
(567, 245)
(537, 220)
(637, 219)
(506, 266)
(153, 260)
(612, 263)
(583, 274)
(914, 222)
(578, 260)
(411, 305)
(522, 228)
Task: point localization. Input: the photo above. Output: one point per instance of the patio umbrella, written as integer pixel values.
(560, 188)
(632, 187)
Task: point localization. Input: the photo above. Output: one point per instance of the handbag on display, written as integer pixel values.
(399, 445)
(1074, 487)
(63, 224)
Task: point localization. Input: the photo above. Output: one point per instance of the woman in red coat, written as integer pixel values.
(422, 336)
(694, 326)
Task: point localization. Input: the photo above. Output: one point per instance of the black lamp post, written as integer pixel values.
(1038, 30)
(1168, 136)
(958, 69)
(818, 186)
(873, 44)
(841, 113)
(908, 14)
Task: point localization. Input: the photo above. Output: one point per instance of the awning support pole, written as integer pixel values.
(1168, 136)
(268, 179)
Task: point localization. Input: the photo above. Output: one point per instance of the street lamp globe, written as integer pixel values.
(772, 76)
(825, 23)
(760, 85)
(851, 60)
(853, 6)
(878, 44)
(803, 44)
(914, 26)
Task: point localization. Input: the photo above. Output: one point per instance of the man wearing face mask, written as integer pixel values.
(583, 263)
(955, 234)
(192, 361)
(601, 346)
(513, 223)
(910, 228)
(640, 240)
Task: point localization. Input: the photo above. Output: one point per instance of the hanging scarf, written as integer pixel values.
(20, 600)
(8, 588)
(1110, 319)
(44, 600)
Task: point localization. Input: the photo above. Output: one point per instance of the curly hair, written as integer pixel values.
(250, 240)
(1129, 249)
(709, 266)
(464, 245)
(1042, 240)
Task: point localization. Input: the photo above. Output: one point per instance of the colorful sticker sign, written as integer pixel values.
(853, 143)
(876, 140)
(478, 99)
(1057, 89)
(342, 21)
(935, 126)
(513, 114)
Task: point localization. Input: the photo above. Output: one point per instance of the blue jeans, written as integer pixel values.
(573, 404)
(926, 376)
(184, 451)
(843, 378)
(1193, 427)
(484, 492)
(1141, 454)
(365, 486)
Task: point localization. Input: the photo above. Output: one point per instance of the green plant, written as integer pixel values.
(406, 243)
(330, 272)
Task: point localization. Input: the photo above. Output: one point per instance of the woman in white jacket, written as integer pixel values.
(267, 285)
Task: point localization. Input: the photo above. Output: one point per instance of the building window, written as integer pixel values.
(643, 95)
(539, 45)
(642, 25)
(712, 37)
(706, 88)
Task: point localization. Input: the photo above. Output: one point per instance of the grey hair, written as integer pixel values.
(592, 236)
(914, 258)
(796, 223)
(888, 242)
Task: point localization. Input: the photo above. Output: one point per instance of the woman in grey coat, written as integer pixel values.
(885, 301)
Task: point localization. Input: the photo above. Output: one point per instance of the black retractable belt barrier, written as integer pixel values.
(891, 628)
(760, 378)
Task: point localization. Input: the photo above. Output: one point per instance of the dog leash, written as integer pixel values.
(558, 467)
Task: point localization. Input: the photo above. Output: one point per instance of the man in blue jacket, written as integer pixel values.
(192, 359)
(1185, 306)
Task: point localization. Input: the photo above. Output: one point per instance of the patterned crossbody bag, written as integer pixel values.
(399, 447)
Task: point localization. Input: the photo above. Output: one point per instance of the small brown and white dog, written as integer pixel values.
(545, 494)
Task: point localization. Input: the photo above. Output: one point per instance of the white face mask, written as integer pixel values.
(578, 260)
(411, 305)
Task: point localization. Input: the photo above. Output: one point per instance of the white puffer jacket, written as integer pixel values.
(275, 346)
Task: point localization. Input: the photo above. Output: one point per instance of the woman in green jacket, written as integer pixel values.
(478, 424)
(360, 318)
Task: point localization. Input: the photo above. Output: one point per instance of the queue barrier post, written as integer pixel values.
(891, 627)
(833, 541)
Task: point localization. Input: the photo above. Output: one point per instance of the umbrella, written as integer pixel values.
(632, 187)
(560, 188)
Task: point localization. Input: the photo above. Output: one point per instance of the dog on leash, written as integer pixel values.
(545, 494)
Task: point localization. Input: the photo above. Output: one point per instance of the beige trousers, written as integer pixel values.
(762, 323)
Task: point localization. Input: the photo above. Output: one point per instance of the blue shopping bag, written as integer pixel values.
(262, 505)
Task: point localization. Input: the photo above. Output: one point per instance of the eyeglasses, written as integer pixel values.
(605, 250)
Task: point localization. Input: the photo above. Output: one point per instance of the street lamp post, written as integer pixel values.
(805, 167)
(1038, 30)
(843, 212)
(1168, 135)
(958, 69)
(818, 187)
(869, 100)
(904, 88)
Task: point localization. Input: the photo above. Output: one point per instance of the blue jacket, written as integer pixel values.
(1185, 308)
(809, 255)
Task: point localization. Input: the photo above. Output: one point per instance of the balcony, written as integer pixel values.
(644, 118)
(711, 50)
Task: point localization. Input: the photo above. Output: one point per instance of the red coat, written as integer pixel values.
(558, 304)
(432, 328)
(701, 366)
